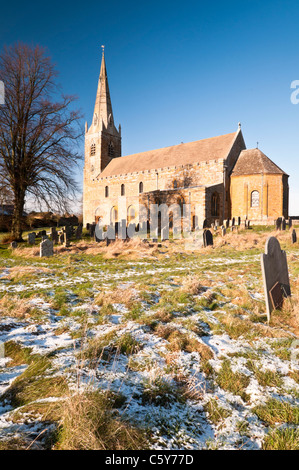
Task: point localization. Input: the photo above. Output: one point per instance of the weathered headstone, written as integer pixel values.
(207, 238)
(46, 248)
(275, 275)
(31, 238)
(223, 231)
(290, 223)
(294, 236)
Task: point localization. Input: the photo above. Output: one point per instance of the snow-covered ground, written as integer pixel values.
(176, 419)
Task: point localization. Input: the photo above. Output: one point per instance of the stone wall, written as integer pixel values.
(272, 199)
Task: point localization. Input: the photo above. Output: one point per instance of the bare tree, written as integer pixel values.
(39, 132)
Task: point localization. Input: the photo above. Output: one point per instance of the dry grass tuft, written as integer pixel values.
(13, 306)
(192, 285)
(88, 423)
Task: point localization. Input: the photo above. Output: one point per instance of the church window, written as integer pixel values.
(215, 205)
(122, 190)
(114, 215)
(255, 199)
(175, 184)
(111, 150)
(106, 191)
(131, 214)
(93, 150)
(140, 187)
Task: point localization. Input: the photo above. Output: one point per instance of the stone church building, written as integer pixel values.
(218, 178)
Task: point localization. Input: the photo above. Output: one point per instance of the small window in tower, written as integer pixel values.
(255, 199)
(175, 184)
(93, 150)
(140, 187)
(122, 190)
(111, 150)
(106, 191)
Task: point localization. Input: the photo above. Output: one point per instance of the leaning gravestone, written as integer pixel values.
(207, 238)
(275, 275)
(46, 248)
(294, 236)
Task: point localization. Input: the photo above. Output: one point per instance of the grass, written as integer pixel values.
(88, 423)
(186, 302)
(282, 439)
(216, 414)
(277, 411)
(234, 382)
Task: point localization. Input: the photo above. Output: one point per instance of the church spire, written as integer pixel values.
(103, 108)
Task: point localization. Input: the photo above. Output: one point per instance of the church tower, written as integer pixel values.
(102, 144)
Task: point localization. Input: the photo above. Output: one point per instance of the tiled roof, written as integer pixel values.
(214, 148)
(253, 161)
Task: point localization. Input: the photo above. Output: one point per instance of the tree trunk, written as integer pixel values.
(16, 226)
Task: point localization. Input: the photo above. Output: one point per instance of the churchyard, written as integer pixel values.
(143, 345)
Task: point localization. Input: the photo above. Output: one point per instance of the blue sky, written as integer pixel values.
(178, 71)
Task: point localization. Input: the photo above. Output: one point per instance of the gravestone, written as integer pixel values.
(290, 223)
(61, 238)
(223, 231)
(283, 224)
(164, 233)
(294, 236)
(78, 232)
(14, 245)
(46, 248)
(92, 228)
(54, 237)
(207, 238)
(275, 275)
(278, 223)
(31, 238)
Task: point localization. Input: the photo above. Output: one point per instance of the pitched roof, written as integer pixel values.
(192, 152)
(253, 161)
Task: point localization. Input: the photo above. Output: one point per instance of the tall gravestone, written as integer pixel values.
(275, 275)
(207, 238)
(294, 236)
(46, 248)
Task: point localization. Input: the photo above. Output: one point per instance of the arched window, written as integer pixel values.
(122, 190)
(215, 205)
(106, 191)
(131, 214)
(180, 201)
(92, 150)
(255, 199)
(175, 184)
(140, 187)
(111, 150)
(114, 215)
